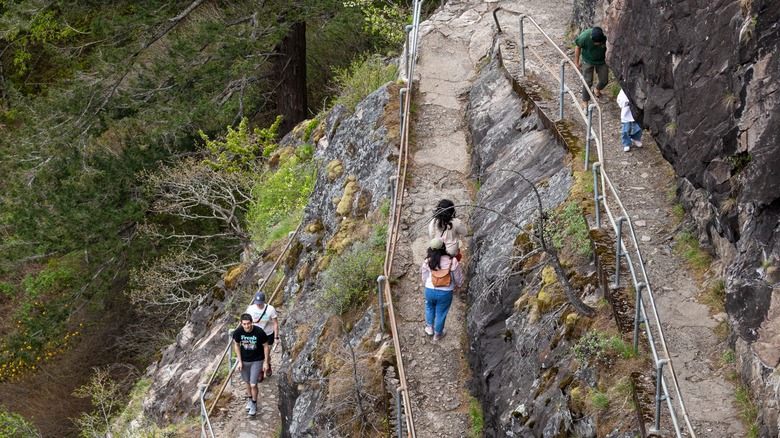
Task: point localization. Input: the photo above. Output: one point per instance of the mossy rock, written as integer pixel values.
(524, 301)
(292, 256)
(315, 227)
(322, 264)
(570, 322)
(334, 169)
(232, 275)
(345, 205)
(303, 273)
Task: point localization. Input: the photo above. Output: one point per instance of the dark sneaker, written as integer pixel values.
(438, 336)
(260, 378)
(269, 372)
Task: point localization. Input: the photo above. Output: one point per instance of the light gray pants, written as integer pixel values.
(587, 72)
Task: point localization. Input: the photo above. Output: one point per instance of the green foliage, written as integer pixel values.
(309, 128)
(279, 197)
(688, 246)
(600, 400)
(13, 425)
(568, 225)
(477, 418)
(45, 302)
(748, 409)
(361, 78)
(351, 277)
(385, 19)
(678, 211)
(598, 347)
(105, 396)
(729, 356)
(238, 152)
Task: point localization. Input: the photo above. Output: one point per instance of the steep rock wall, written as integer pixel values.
(521, 359)
(703, 78)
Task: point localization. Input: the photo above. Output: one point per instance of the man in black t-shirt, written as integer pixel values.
(252, 351)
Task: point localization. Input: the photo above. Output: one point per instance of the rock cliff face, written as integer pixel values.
(521, 358)
(703, 78)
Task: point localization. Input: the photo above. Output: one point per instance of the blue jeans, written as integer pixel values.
(437, 305)
(630, 131)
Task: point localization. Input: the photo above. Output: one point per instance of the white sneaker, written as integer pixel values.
(626, 148)
(249, 403)
(637, 143)
(429, 331)
(253, 409)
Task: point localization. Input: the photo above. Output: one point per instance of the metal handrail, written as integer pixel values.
(231, 366)
(610, 193)
(398, 183)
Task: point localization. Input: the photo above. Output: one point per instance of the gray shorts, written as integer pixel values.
(250, 371)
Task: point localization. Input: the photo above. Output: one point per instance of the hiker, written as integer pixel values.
(441, 275)
(264, 316)
(592, 45)
(252, 352)
(447, 227)
(630, 132)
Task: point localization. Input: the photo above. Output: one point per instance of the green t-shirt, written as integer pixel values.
(589, 52)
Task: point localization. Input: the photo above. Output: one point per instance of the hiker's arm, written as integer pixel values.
(237, 349)
(267, 360)
(577, 56)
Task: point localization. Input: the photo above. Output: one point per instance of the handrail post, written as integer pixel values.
(563, 89)
(638, 316)
(379, 281)
(522, 47)
(204, 419)
(596, 196)
(618, 249)
(495, 18)
(407, 29)
(230, 355)
(401, 94)
(399, 411)
(588, 133)
(659, 376)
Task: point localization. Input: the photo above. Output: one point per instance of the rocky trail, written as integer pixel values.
(643, 179)
(452, 45)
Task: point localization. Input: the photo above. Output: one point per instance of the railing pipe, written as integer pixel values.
(637, 315)
(401, 108)
(399, 411)
(596, 197)
(522, 46)
(204, 419)
(618, 249)
(381, 279)
(659, 397)
(562, 92)
(588, 135)
(230, 354)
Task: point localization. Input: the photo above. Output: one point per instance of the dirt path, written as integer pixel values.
(643, 178)
(233, 422)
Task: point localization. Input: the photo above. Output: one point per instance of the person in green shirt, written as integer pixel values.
(591, 46)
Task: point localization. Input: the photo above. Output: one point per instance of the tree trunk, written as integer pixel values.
(291, 78)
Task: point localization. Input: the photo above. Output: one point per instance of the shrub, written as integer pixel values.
(14, 425)
(362, 78)
(278, 200)
(351, 277)
(600, 401)
(568, 225)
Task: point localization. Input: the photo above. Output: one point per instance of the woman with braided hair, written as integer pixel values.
(447, 227)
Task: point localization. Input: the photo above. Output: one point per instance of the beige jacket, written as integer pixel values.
(450, 236)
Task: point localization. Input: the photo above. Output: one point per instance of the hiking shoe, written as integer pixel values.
(429, 331)
(637, 143)
(438, 336)
(253, 409)
(626, 148)
(249, 403)
(268, 373)
(261, 377)
(597, 93)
